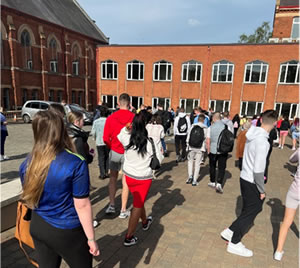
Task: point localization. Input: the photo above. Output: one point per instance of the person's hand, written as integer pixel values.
(94, 250)
(128, 126)
(262, 196)
(92, 152)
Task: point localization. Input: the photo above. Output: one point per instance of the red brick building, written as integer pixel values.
(48, 52)
(242, 78)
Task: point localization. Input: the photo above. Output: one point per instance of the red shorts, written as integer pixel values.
(139, 189)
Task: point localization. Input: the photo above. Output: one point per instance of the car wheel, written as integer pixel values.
(26, 118)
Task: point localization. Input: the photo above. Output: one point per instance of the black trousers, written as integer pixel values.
(180, 141)
(3, 138)
(103, 159)
(252, 205)
(53, 244)
(221, 159)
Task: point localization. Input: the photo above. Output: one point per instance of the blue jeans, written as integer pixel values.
(163, 144)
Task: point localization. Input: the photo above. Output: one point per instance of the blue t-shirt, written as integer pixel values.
(206, 121)
(3, 119)
(68, 177)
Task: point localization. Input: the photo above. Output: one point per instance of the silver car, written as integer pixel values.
(30, 108)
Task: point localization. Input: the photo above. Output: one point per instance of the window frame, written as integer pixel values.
(184, 101)
(135, 62)
(222, 62)
(105, 63)
(158, 64)
(114, 100)
(256, 112)
(223, 106)
(75, 63)
(55, 63)
(187, 64)
(157, 99)
(291, 109)
(286, 65)
(262, 64)
(140, 101)
(297, 17)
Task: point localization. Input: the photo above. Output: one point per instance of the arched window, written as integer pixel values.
(135, 70)
(223, 71)
(256, 72)
(109, 70)
(53, 56)
(162, 71)
(26, 47)
(75, 60)
(191, 71)
(289, 72)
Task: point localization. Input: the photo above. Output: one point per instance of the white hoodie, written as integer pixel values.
(255, 155)
(181, 115)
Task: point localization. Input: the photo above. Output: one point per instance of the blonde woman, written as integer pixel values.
(56, 186)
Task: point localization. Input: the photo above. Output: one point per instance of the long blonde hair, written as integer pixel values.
(50, 138)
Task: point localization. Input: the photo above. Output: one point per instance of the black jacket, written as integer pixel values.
(285, 125)
(80, 138)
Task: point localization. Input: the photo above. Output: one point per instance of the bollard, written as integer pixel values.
(15, 118)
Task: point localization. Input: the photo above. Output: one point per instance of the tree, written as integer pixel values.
(261, 35)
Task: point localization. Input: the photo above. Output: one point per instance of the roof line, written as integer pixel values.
(91, 21)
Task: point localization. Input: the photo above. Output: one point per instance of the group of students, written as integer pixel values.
(56, 181)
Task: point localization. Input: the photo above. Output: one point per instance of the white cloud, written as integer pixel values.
(193, 22)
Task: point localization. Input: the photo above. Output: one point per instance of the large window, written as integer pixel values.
(136, 102)
(165, 101)
(111, 101)
(25, 95)
(250, 108)
(109, 70)
(162, 71)
(219, 105)
(256, 72)
(26, 47)
(135, 70)
(191, 71)
(295, 28)
(80, 98)
(53, 56)
(189, 104)
(289, 72)
(222, 72)
(289, 109)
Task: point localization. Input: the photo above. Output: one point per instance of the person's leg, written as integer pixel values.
(133, 221)
(183, 146)
(3, 137)
(106, 160)
(191, 159)
(252, 205)
(283, 138)
(198, 159)
(101, 160)
(177, 145)
(222, 160)
(289, 216)
(163, 144)
(112, 187)
(212, 167)
(124, 195)
(280, 138)
(235, 131)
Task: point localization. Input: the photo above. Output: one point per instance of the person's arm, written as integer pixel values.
(93, 131)
(208, 141)
(294, 158)
(175, 125)
(107, 133)
(261, 152)
(189, 123)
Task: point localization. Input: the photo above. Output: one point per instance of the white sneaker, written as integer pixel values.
(6, 157)
(293, 149)
(281, 147)
(219, 188)
(124, 214)
(212, 184)
(95, 223)
(2, 158)
(227, 234)
(239, 249)
(110, 210)
(278, 255)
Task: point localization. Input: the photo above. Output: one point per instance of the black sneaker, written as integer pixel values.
(128, 242)
(148, 224)
(189, 180)
(178, 159)
(166, 154)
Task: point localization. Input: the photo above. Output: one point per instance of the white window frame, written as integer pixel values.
(54, 66)
(29, 65)
(135, 62)
(256, 104)
(105, 63)
(76, 64)
(294, 22)
(185, 100)
(262, 65)
(218, 66)
(291, 109)
(187, 64)
(215, 104)
(165, 103)
(287, 64)
(158, 64)
(114, 100)
(140, 101)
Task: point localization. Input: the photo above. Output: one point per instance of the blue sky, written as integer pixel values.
(178, 21)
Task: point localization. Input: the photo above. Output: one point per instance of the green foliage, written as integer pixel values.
(261, 35)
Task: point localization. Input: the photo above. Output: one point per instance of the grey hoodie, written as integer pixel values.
(229, 124)
(255, 155)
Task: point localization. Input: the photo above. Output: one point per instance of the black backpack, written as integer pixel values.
(196, 137)
(182, 125)
(225, 141)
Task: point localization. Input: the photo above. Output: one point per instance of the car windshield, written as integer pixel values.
(77, 108)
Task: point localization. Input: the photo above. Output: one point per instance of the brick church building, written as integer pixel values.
(48, 52)
(240, 78)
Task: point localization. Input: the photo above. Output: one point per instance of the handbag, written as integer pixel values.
(154, 164)
(22, 230)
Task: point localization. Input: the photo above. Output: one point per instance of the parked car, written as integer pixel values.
(87, 116)
(30, 108)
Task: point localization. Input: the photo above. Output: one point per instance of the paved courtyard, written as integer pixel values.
(187, 220)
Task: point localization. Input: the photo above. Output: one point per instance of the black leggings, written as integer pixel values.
(53, 244)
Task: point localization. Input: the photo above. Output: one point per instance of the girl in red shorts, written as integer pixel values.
(138, 174)
(284, 130)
